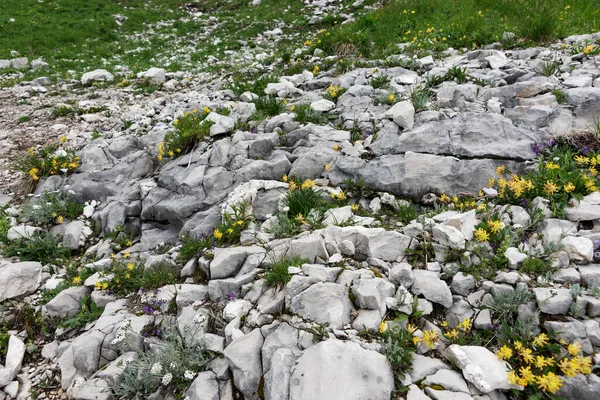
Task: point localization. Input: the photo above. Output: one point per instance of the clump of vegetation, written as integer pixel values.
(190, 129)
(192, 247)
(51, 208)
(561, 96)
(304, 114)
(129, 276)
(45, 248)
(173, 364)
(334, 92)
(88, 312)
(277, 272)
(234, 222)
(302, 199)
(120, 236)
(398, 347)
(49, 160)
(380, 81)
(267, 106)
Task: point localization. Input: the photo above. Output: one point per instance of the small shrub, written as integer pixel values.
(305, 114)
(129, 276)
(172, 364)
(44, 248)
(121, 237)
(234, 222)
(397, 346)
(51, 208)
(190, 129)
(548, 68)
(24, 118)
(63, 111)
(457, 74)
(193, 247)
(334, 92)
(561, 96)
(283, 227)
(407, 212)
(505, 305)
(420, 98)
(88, 312)
(301, 199)
(535, 266)
(277, 273)
(4, 225)
(380, 81)
(267, 106)
(49, 160)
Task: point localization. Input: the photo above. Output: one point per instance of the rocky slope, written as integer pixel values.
(305, 339)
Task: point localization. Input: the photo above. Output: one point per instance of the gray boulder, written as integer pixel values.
(244, 359)
(323, 303)
(19, 279)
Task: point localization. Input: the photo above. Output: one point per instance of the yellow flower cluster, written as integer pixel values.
(101, 285)
(429, 339)
(307, 184)
(341, 196)
(33, 174)
(588, 49)
(76, 280)
(217, 234)
(334, 91)
(530, 369)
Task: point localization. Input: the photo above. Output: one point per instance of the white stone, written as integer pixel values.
(322, 105)
(403, 114)
(578, 248)
(98, 75)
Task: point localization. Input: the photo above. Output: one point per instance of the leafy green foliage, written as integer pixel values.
(88, 312)
(129, 276)
(397, 346)
(267, 106)
(49, 160)
(301, 199)
(505, 304)
(380, 81)
(283, 227)
(234, 222)
(277, 273)
(561, 96)
(257, 86)
(49, 207)
(190, 129)
(192, 247)
(306, 114)
(45, 248)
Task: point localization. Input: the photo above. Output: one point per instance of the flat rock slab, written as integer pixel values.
(19, 279)
(341, 370)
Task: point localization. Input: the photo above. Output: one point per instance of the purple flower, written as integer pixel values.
(585, 150)
(231, 296)
(158, 331)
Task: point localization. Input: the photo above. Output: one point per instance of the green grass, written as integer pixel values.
(437, 24)
(277, 274)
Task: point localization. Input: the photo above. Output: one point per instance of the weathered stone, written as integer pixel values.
(336, 369)
(244, 359)
(324, 303)
(19, 279)
(431, 287)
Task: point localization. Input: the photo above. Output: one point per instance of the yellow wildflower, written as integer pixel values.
(411, 328)
(392, 98)
(206, 110)
(130, 266)
(569, 187)
(300, 218)
(540, 340)
(504, 353)
(526, 354)
(518, 345)
(292, 107)
(33, 173)
(593, 171)
(292, 186)
(588, 49)
(60, 219)
(526, 375)
(336, 147)
(217, 234)
(574, 349)
(584, 363)
(63, 139)
(126, 254)
(453, 334)
(568, 367)
(500, 170)
(550, 188)
(429, 338)
(465, 325)
(316, 70)
(327, 167)
(229, 231)
(341, 196)
(481, 207)
(550, 165)
(581, 159)
(491, 182)
(127, 276)
(513, 378)
(284, 178)
(540, 362)
(416, 340)
(76, 280)
(496, 226)
(307, 184)
(383, 327)
(355, 207)
(171, 153)
(549, 382)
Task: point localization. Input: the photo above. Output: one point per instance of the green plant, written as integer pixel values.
(380, 81)
(505, 304)
(190, 129)
(129, 276)
(24, 118)
(407, 212)
(88, 312)
(304, 113)
(420, 98)
(172, 364)
(334, 92)
(541, 25)
(51, 208)
(96, 134)
(422, 253)
(257, 86)
(43, 247)
(595, 128)
(63, 111)
(283, 227)
(397, 346)
(121, 237)
(561, 96)
(267, 106)
(277, 272)
(232, 225)
(192, 247)
(585, 47)
(548, 68)
(301, 199)
(4, 225)
(457, 74)
(4, 338)
(49, 160)
(535, 266)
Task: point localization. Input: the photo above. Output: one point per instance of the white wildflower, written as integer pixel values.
(118, 339)
(156, 369)
(60, 153)
(189, 375)
(167, 379)
(128, 360)
(11, 20)
(78, 382)
(126, 324)
(173, 365)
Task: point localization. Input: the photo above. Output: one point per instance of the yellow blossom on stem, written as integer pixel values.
(465, 325)
(300, 218)
(513, 378)
(453, 334)
(217, 234)
(63, 139)
(584, 363)
(383, 327)
(574, 349)
(293, 186)
(550, 165)
(526, 375)
(284, 178)
(307, 184)
(550, 188)
(496, 226)
(130, 266)
(540, 340)
(126, 254)
(411, 328)
(501, 170)
(76, 280)
(569, 187)
(336, 147)
(355, 207)
(568, 367)
(504, 353)
(527, 356)
(549, 382)
(341, 196)
(33, 174)
(60, 219)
